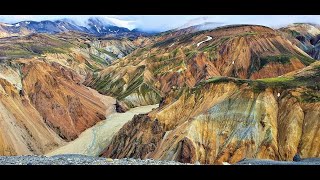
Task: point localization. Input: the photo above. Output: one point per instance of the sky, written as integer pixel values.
(167, 22)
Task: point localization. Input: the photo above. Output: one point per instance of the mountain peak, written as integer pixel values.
(100, 21)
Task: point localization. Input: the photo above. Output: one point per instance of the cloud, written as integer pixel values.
(79, 19)
(128, 24)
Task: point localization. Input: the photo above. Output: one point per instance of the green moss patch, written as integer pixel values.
(98, 59)
(107, 52)
(283, 59)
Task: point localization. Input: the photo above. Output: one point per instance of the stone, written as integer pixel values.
(296, 158)
(109, 160)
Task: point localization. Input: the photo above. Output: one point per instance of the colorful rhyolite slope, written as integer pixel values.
(226, 119)
(224, 94)
(246, 52)
(43, 103)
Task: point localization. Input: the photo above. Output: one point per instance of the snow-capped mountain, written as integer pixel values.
(96, 26)
(50, 27)
(101, 26)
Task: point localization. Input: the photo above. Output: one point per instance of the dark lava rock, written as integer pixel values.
(120, 107)
(297, 157)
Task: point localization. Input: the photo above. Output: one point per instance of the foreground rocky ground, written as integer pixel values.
(77, 160)
(74, 159)
(308, 161)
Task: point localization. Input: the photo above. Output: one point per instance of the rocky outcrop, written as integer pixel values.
(66, 106)
(121, 107)
(226, 120)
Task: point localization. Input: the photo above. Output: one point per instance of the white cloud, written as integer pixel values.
(79, 19)
(128, 24)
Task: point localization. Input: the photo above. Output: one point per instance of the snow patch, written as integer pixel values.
(97, 28)
(17, 25)
(208, 39)
(171, 45)
(9, 25)
(113, 31)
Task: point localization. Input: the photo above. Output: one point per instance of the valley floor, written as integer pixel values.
(93, 141)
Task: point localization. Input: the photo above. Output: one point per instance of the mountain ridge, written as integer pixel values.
(247, 52)
(94, 26)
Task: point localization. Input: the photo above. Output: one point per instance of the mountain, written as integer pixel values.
(100, 26)
(306, 36)
(105, 28)
(7, 30)
(43, 103)
(50, 27)
(225, 94)
(224, 119)
(95, 26)
(98, 51)
(246, 51)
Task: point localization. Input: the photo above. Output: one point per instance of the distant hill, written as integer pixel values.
(95, 26)
(306, 36)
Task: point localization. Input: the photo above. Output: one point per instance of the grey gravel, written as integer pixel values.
(75, 159)
(307, 161)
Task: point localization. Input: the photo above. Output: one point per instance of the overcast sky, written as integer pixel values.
(166, 22)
